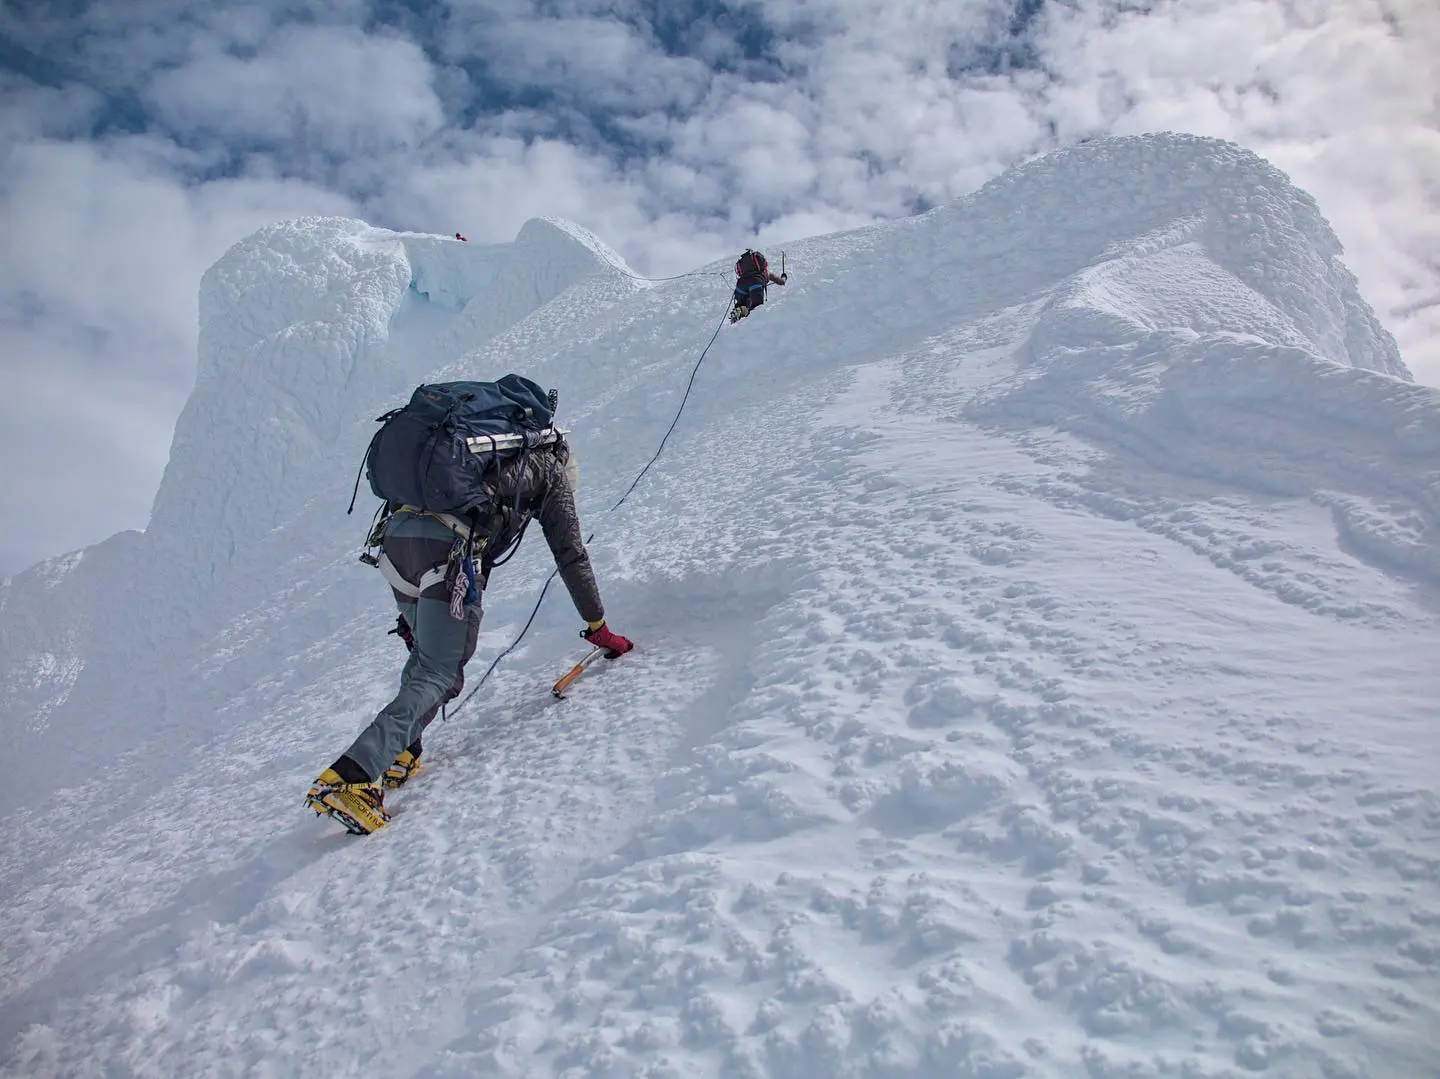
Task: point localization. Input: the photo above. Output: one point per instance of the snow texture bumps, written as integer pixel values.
(1036, 620)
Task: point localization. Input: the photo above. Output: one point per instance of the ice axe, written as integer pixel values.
(575, 672)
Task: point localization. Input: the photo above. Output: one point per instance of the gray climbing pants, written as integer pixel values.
(443, 644)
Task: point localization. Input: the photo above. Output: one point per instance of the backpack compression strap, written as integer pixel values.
(757, 264)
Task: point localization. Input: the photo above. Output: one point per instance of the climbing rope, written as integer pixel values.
(688, 387)
(635, 483)
(677, 277)
(659, 280)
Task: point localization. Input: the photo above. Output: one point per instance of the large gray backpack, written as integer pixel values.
(434, 452)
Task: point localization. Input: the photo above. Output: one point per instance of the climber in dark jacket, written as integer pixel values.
(753, 276)
(540, 484)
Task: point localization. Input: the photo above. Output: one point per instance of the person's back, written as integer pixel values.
(428, 558)
(752, 275)
(751, 268)
(541, 485)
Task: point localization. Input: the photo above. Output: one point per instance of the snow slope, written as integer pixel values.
(1037, 605)
(308, 331)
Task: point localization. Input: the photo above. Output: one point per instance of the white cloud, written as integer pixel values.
(98, 319)
(502, 182)
(334, 90)
(1340, 93)
(28, 111)
(610, 63)
(853, 112)
(93, 428)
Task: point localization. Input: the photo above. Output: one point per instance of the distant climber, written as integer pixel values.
(753, 276)
(452, 513)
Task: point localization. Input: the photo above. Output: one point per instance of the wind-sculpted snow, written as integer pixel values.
(1159, 353)
(309, 330)
(1036, 608)
(285, 387)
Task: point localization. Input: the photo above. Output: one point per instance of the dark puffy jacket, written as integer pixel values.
(752, 273)
(539, 485)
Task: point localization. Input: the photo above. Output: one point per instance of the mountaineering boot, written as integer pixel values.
(360, 807)
(404, 768)
(740, 312)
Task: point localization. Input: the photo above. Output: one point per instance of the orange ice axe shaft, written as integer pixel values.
(568, 679)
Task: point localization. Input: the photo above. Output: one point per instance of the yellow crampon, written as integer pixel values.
(404, 768)
(360, 807)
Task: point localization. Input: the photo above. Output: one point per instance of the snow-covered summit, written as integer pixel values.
(1152, 200)
(1036, 607)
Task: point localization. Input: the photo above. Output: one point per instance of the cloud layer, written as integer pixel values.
(140, 140)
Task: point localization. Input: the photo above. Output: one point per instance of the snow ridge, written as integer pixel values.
(1250, 220)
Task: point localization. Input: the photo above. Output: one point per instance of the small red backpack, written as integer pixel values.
(752, 262)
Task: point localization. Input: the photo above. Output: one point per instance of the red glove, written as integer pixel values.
(602, 636)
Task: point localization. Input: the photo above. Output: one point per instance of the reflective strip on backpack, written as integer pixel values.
(518, 440)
